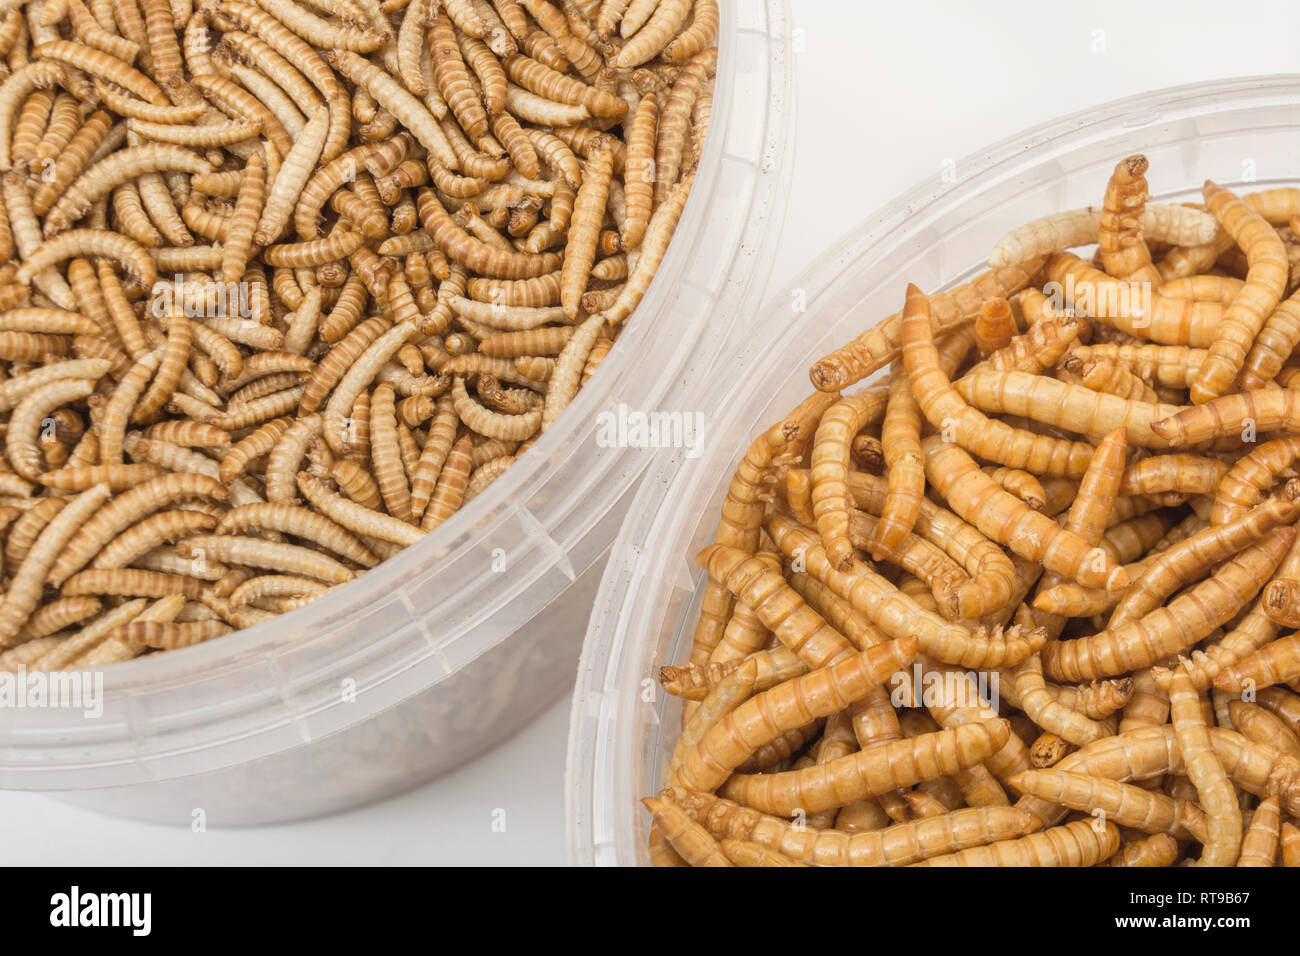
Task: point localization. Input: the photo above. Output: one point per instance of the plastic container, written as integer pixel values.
(1243, 134)
(460, 640)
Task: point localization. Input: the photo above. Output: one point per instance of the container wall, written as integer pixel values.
(429, 733)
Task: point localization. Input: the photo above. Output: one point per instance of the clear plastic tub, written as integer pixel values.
(459, 641)
(1242, 133)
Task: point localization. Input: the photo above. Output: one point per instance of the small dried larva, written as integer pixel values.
(275, 585)
(385, 454)
(584, 229)
(58, 615)
(299, 522)
(139, 263)
(449, 492)
(273, 555)
(167, 635)
(1245, 315)
(113, 170)
(123, 511)
(132, 582)
(354, 517)
(24, 593)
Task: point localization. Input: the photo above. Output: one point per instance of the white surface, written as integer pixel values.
(887, 95)
(502, 810)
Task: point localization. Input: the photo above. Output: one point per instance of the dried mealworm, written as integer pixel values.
(272, 555)
(91, 242)
(1179, 225)
(24, 592)
(1074, 844)
(879, 346)
(829, 464)
(1124, 252)
(819, 693)
(1004, 518)
(1131, 307)
(299, 522)
(564, 379)
(354, 517)
(385, 454)
(408, 110)
(1275, 663)
(1223, 815)
(449, 492)
(123, 511)
(868, 772)
(588, 211)
(1167, 630)
(1246, 314)
(1261, 726)
(292, 177)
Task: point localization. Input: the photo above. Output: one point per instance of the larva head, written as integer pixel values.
(1282, 601)
(1284, 782)
(828, 377)
(1130, 169)
(781, 434)
(1068, 326)
(1036, 637)
(222, 54)
(1048, 750)
(1117, 691)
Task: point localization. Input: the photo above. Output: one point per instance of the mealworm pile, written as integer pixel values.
(1020, 600)
(285, 286)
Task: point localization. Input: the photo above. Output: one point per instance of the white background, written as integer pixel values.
(887, 92)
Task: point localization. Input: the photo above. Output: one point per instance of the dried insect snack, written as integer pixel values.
(1104, 519)
(288, 287)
